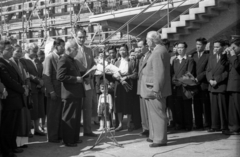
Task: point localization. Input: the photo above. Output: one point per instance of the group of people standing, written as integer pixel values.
(147, 89)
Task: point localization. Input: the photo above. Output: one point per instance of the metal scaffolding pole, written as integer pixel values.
(23, 18)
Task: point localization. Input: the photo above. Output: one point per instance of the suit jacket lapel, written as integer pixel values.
(55, 61)
(179, 69)
(144, 61)
(200, 60)
(16, 67)
(216, 65)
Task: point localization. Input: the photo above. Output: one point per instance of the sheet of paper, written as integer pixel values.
(87, 86)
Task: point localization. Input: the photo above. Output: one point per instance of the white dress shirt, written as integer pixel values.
(180, 58)
(123, 66)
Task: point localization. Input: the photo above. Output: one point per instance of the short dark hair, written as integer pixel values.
(124, 45)
(58, 42)
(236, 42)
(166, 42)
(221, 42)
(3, 44)
(40, 52)
(184, 43)
(202, 40)
(15, 47)
(175, 44)
(111, 48)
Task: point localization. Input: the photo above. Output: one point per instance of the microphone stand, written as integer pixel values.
(106, 133)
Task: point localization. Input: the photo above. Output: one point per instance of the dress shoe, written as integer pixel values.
(144, 133)
(79, 141)
(119, 129)
(90, 134)
(23, 146)
(214, 130)
(227, 132)
(70, 144)
(198, 128)
(96, 123)
(188, 129)
(54, 141)
(40, 134)
(17, 150)
(157, 145)
(149, 140)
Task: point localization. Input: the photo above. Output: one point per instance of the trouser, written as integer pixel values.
(71, 115)
(171, 108)
(54, 116)
(219, 110)
(202, 107)
(157, 120)
(184, 117)
(234, 112)
(89, 109)
(144, 114)
(8, 131)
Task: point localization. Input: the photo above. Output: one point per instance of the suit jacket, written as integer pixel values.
(141, 64)
(234, 74)
(13, 85)
(156, 74)
(33, 74)
(178, 70)
(67, 72)
(217, 71)
(50, 75)
(201, 67)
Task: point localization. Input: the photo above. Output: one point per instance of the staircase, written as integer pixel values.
(196, 18)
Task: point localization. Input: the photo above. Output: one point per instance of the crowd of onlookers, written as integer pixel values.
(35, 89)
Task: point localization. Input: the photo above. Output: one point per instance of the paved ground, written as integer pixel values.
(180, 144)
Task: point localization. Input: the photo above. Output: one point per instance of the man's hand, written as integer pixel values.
(87, 80)
(157, 95)
(232, 52)
(4, 93)
(26, 90)
(213, 82)
(79, 79)
(41, 82)
(53, 95)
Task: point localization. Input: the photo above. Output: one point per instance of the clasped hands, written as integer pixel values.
(26, 90)
(4, 94)
(213, 83)
(127, 86)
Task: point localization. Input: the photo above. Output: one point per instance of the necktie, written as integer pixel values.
(218, 58)
(84, 57)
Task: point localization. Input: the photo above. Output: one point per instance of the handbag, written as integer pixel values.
(29, 101)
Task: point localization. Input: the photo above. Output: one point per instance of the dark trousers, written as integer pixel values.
(234, 112)
(171, 106)
(184, 117)
(54, 116)
(136, 116)
(202, 108)
(71, 120)
(219, 110)
(8, 131)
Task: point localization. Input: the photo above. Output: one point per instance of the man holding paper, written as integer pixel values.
(85, 62)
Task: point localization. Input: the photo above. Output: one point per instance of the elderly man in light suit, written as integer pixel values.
(155, 87)
(85, 61)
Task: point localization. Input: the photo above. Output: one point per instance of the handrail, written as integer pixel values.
(147, 18)
(183, 13)
(161, 18)
(129, 21)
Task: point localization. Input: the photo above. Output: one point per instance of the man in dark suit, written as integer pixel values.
(233, 87)
(53, 92)
(143, 108)
(13, 103)
(31, 67)
(183, 108)
(72, 93)
(217, 74)
(155, 87)
(201, 99)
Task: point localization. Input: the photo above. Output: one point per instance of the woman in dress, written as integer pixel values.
(123, 86)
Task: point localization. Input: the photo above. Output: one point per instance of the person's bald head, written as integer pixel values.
(71, 48)
(153, 38)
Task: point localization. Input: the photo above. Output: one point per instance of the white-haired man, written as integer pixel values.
(30, 66)
(155, 87)
(71, 93)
